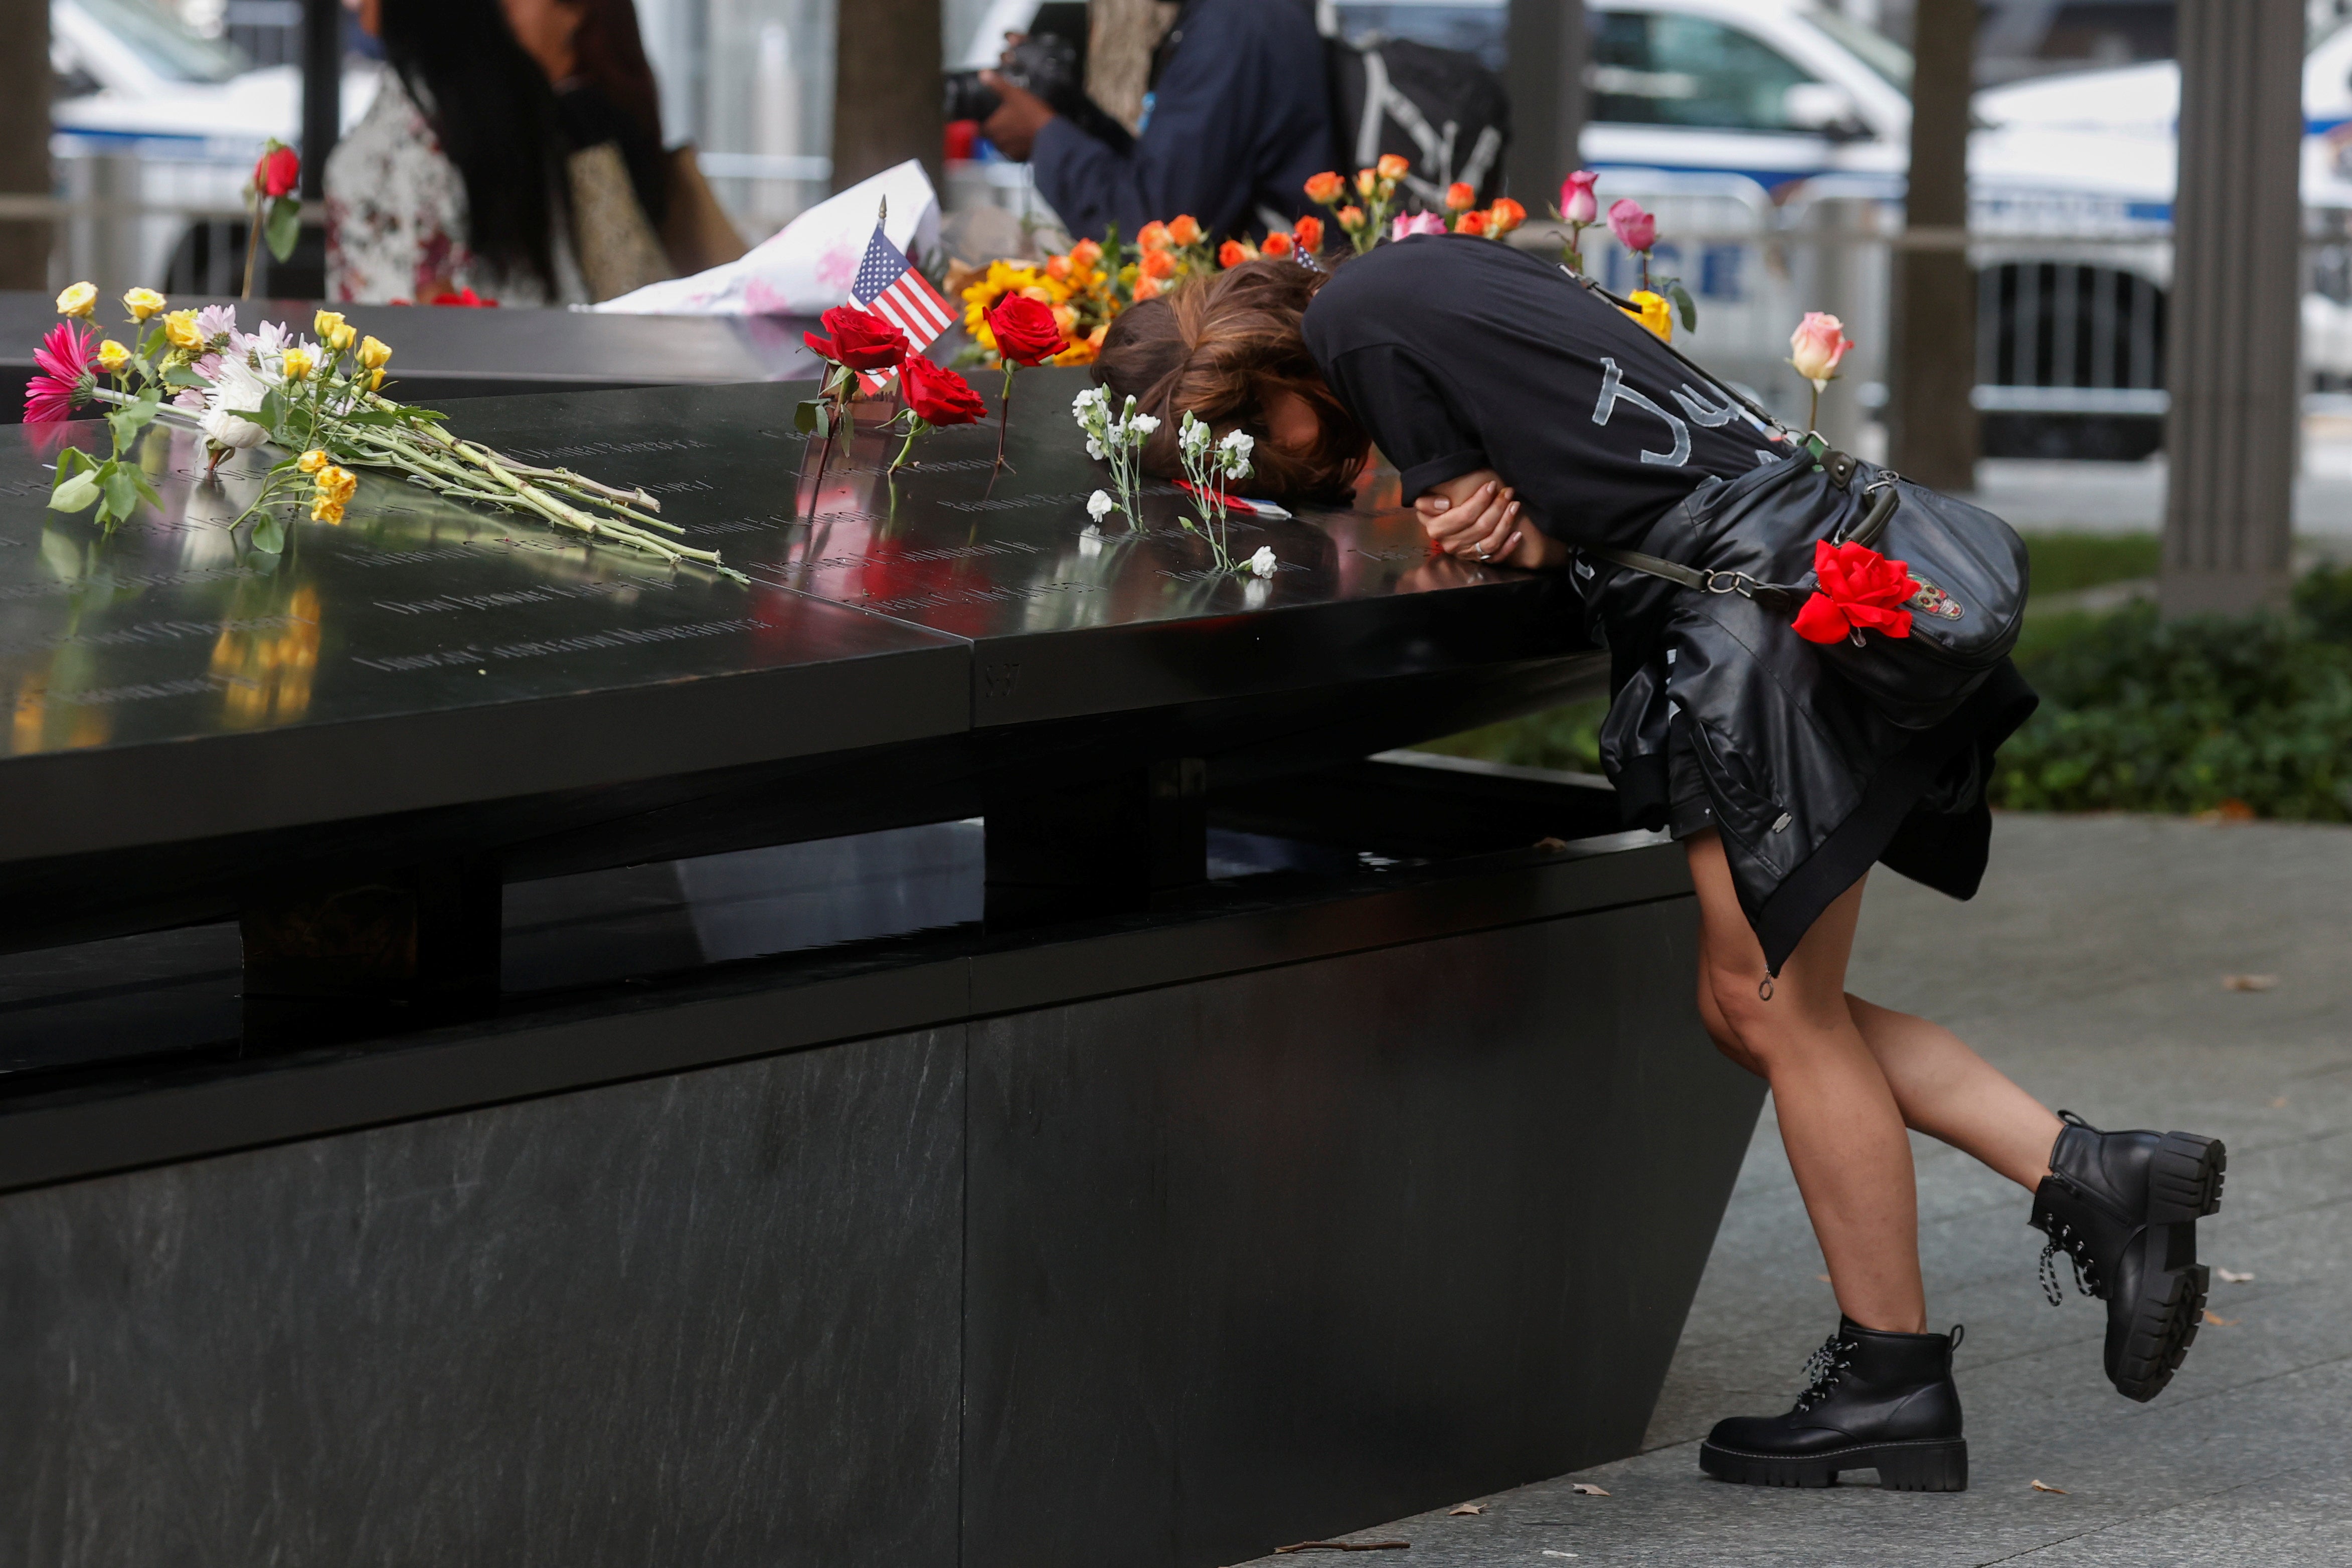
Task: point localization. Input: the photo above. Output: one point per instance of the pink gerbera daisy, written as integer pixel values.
(69, 358)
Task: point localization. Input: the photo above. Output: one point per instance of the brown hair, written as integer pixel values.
(1217, 346)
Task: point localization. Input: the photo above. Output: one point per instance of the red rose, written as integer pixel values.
(278, 173)
(936, 394)
(862, 340)
(1858, 587)
(467, 298)
(1026, 330)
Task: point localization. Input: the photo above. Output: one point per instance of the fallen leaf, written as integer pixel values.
(2234, 1277)
(1550, 1552)
(2229, 810)
(1551, 846)
(1465, 1508)
(2249, 982)
(2279, 1104)
(1824, 1278)
(2221, 1322)
(2046, 1486)
(1588, 1489)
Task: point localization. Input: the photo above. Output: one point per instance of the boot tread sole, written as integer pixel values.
(1909, 1464)
(2184, 1186)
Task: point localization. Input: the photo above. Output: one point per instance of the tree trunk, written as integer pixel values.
(1932, 424)
(886, 89)
(25, 139)
(1120, 37)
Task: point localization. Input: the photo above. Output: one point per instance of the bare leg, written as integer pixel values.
(1839, 1119)
(1952, 1095)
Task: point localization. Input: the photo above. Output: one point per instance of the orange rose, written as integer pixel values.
(1153, 237)
(1470, 224)
(1505, 215)
(1460, 198)
(1326, 188)
(1366, 183)
(1391, 167)
(1157, 265)
(1277, 244)
(1086, 252)
(1065, 319)
(1231, 254)
(1146, 288)
(1351, 218)
(1183, 229)
(1057, 267)
(1309, 234)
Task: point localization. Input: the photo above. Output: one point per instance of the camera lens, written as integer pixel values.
(966, 96)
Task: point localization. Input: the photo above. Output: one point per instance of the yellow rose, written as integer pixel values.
(374, 353)
(335, 488)
(1655, 314)
(142, 303)
(179, 330)
(344, 338)
(326, 322)
(375, 380)
(79, 300)
(112, 356)
(310, 461)
(298, 364)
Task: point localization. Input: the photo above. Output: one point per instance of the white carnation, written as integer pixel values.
(1098, 506)
(1095, 449)
(1262, 563)
(1143, 424)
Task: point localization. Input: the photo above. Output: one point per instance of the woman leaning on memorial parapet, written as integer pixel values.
(1792, 704)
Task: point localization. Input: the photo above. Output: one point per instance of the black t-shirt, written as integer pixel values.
(1457, 353)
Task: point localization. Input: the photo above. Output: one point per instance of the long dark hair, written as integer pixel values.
(495, 113)
(1217, 346)
(611, 52)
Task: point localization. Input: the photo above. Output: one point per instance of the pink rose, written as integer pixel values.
(1576, 199)
(1410, 224)
(1635, 229)
(1816, 347)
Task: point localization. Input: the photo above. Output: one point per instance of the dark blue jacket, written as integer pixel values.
(1239, 120)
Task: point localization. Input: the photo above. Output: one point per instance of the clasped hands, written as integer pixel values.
(1477, 518)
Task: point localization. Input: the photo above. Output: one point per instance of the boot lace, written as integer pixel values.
(2077, 1248)
(1821, 1369)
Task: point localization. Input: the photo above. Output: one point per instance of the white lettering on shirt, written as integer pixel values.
(1612, 388)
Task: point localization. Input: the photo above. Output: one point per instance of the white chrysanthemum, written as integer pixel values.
(237, 391)
(1098, 506)
(1262, 563)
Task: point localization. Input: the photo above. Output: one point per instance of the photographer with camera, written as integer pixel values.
(1237, 121)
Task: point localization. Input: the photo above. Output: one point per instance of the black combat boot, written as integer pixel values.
(2125, 1208)
(1877, 1401)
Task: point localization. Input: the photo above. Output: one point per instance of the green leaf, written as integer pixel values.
(73, 460)
(146, 490)
(272, 413)
(269, 533)
(122, 494)
(1687, 306)
(151, 346)
(284, 227)
(71, 494)
(181, 376)
(813, 418)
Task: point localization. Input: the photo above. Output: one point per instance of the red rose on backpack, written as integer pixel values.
(1857, 589)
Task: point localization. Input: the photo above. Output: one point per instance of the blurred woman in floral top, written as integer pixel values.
(454, 179)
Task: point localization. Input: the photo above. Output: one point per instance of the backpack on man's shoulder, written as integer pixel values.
(1441, 108)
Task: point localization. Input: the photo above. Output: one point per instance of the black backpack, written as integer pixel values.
(1441, 108)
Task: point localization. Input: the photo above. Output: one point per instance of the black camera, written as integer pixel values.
(1046, 64)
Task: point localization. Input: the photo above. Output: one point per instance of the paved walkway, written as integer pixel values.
(2092, 969)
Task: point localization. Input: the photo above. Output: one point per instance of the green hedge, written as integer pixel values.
(2143, 715)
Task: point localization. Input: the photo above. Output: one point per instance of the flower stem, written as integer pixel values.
(1004, 412)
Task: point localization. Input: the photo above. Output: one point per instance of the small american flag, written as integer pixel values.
(888, 285)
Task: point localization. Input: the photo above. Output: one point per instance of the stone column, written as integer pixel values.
(1550, 43)
(1931, 366)
(25, 139)
(886, 89)
(2236, 299)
